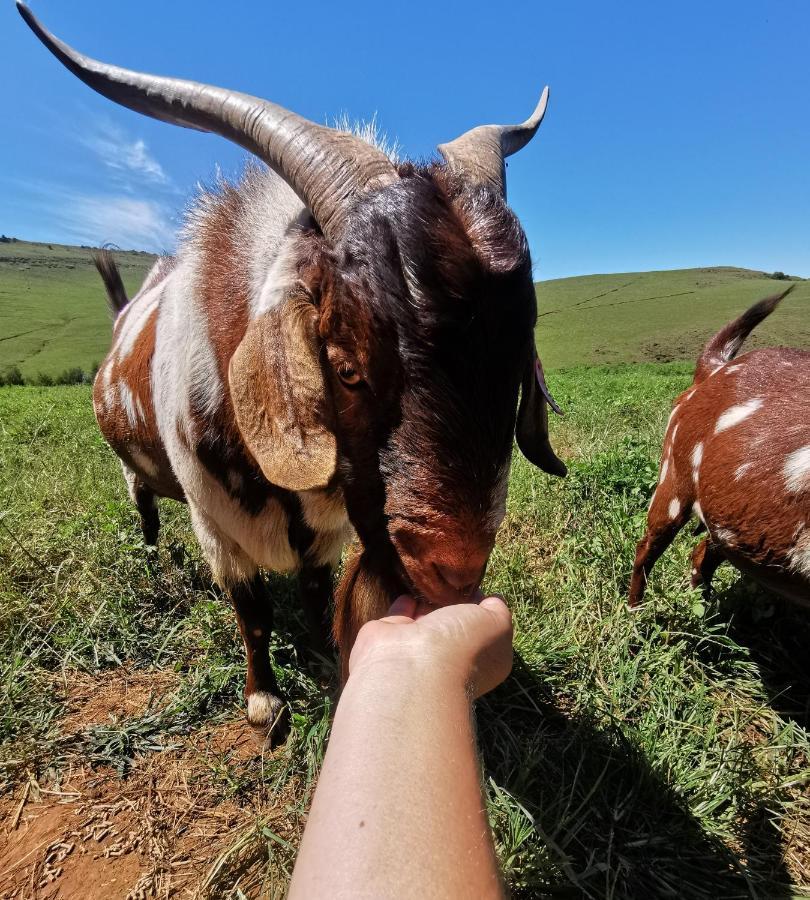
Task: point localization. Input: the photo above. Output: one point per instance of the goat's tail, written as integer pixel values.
(116, 293)
(726, 344)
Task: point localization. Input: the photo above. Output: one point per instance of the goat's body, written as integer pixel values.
(161, 396)
(736, 454)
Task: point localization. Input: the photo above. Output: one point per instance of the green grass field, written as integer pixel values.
(658, 754)
(658, 316)
(53, 313)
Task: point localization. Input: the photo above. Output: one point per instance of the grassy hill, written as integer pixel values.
(658, 316)
(53, 315)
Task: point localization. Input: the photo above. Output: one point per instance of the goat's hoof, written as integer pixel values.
(268, 712)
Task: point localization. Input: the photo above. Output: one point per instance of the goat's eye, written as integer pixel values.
(348, 374)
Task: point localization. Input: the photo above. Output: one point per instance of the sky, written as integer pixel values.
(677, 134)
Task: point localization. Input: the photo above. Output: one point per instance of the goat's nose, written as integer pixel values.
(462, 578)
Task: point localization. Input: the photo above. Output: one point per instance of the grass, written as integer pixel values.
(53, 313)
(658, 316)
(657, 754)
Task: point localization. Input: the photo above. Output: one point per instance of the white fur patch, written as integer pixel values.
(143, 462)
(674, 508)
(741, 470)
(799, 556)
(731, 369)
(674, 432)
(137, 315)
(263, 708)
(664, 470)
(697, 459)
(724, 536)
(797, 470)
(128, 403)
(696, 509)
(736, 414)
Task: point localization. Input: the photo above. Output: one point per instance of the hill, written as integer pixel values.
(53, 315)
(658, 316)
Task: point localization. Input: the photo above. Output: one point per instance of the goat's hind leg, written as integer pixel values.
(662, 527)
(706, 557)
(145, 501)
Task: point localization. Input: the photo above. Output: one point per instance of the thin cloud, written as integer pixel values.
(121, 153)
(127, 222)
(99, 218)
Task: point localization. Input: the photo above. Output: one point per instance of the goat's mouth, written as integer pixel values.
(436, 573)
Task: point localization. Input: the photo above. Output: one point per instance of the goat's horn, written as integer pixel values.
(326, 168)
(479, 153)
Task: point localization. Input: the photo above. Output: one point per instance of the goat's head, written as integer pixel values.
(392, 361)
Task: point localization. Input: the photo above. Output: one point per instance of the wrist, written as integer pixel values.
(410, 671)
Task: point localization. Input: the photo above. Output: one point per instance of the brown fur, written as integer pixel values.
(739, 489)
(135, 374)
(359, 597)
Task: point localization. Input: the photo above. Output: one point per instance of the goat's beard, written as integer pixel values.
(361, 595)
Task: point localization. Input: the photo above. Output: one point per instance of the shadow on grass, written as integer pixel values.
(777, 635)
(605, 823)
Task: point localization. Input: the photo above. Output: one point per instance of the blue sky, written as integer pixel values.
(677, 134)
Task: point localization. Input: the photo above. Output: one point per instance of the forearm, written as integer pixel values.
(398, 810)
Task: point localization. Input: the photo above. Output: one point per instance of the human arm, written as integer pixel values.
(398, 811)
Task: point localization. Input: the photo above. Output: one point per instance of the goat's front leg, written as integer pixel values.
(706, 557)
(664, 520)
(254, 613)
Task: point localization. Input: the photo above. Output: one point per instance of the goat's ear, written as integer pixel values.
(279, 396)
(531, 430)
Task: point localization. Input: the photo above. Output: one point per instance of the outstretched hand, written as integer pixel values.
(469, 643)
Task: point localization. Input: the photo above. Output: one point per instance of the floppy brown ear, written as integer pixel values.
(531, 430)
(279, 396)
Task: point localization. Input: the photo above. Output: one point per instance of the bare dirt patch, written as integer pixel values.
(122, 694)
(180, 818)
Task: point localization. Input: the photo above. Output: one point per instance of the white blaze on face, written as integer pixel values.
(736, 414)
(797, 470)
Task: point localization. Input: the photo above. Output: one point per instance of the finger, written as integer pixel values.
(404, 605)
(496, 605)
(396, 620)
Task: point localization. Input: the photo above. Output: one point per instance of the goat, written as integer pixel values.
(339, 342)
(737, 455)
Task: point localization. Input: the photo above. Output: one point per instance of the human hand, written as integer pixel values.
(469, 643)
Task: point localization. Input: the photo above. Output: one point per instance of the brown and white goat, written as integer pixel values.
(737, 455)
(340, 341)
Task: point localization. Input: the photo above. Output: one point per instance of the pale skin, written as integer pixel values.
(398, 811)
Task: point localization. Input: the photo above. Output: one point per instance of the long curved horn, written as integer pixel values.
(326, 168)
(479, 153)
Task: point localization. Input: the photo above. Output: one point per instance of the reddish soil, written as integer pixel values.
(156, 833)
